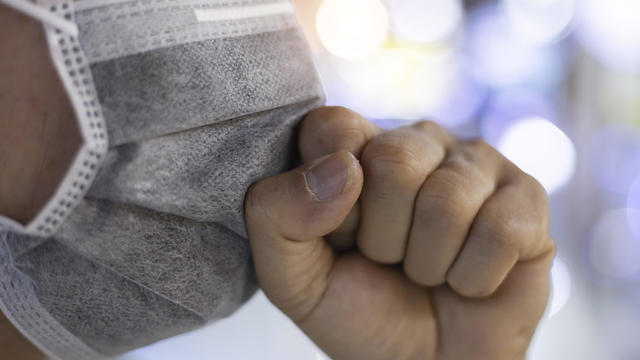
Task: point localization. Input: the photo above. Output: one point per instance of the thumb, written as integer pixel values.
(287, 216)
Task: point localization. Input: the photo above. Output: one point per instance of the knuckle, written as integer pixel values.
(435, 132)
(397, 153)
(464, 170)
(339, 119)
(535, 195)
(332, 118)
(504, 230)
(537, 192)
(444, 193)
(342, 112)
(332, 129)
(462, 159)
(516, 222)
(348, 139)
(312, 121)
(430, 127)
(479, 149)
(481, 146)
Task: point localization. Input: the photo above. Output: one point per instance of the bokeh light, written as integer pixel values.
(499, 58)
(540, 149)
(613, 250)
(539, 22)
(614, 156)
(352, 29)
(425, 21)
(397, 83)
(560, 286)
(633, 207)
(505, 107)
(466, 99)
(618, 96)
(610, 31)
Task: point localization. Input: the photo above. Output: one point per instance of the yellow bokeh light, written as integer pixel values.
(352, 29)
(400, 83)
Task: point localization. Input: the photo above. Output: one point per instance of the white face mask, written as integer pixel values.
(199, 99)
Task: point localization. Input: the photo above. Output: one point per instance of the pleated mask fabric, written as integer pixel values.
(200, 99)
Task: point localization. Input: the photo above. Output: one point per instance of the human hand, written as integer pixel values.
(453, 252)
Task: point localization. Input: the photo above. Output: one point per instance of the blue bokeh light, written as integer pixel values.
(614, 156)
(613, 250)
(499, 58)
(633, 207)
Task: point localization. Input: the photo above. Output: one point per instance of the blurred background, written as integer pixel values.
(554, 85)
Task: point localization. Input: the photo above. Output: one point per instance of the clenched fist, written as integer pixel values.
(427, 247)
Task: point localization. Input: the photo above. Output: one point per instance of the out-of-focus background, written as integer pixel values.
(554, 85)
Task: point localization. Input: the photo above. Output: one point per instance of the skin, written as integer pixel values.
(39, 138)
(36, 119)
(432, 248)
(13, 345)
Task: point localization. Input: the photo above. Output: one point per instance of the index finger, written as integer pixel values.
(330, 129)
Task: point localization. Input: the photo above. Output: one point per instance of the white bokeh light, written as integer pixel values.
(610, 30)
(560, 286)
(397, 83)
(539, 21)
(613, 249)
(541, 149)
(353, 29)
(425, 21)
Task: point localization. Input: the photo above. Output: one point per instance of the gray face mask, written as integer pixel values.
(200, 99)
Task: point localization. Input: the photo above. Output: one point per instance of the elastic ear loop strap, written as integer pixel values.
(28, 8)
(44, 331)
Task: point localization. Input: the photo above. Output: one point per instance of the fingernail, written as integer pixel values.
(330, 177)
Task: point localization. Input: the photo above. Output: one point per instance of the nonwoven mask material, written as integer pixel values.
(200, 100)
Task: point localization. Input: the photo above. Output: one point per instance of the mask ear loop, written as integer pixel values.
(45, 16)
(73, 68)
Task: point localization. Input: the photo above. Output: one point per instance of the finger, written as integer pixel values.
(330, 129)
(325, 131)
(287, 215)
(512, 226)
(344, 237)
(446, 207)
(395, 166)
(499, 327)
